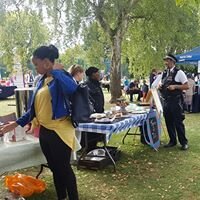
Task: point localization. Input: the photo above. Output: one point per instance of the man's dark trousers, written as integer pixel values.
(174, 116)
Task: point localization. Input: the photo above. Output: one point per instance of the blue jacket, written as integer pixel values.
(61, 86)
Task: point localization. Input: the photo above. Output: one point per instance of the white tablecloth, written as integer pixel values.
(19, 155)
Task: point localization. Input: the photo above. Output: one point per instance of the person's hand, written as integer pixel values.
(171, 87)
(30, 131)
(8, 127)
(58, 66)
(27, 128)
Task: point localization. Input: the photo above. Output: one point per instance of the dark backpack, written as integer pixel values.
(81, 106)
(79, 103)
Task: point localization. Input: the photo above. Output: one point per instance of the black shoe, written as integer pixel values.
(184, 147)
(170, 145)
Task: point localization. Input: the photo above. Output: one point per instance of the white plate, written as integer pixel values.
(97, 115)
(127, 115)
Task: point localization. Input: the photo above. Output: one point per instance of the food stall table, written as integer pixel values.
(21, 154)
(109, 129)
(27, 153)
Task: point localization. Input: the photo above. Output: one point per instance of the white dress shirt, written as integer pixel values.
(180, 77)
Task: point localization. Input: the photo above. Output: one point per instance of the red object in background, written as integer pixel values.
(2, 82)
(7, 83)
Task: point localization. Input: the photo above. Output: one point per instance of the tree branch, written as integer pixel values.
(98, 9)
(124, 18)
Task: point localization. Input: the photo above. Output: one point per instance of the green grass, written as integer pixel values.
(7, 106)
(142, 173)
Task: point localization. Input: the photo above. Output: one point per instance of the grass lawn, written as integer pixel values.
(142, 173)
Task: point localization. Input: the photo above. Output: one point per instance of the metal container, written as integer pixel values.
(23, 100)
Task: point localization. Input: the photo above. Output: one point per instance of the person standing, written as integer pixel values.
(173, 82)
(189, 93)
(97, 99)
(105, 83)
(152, 76)
(48, 107)
(29, 78)
(145, 89)
(95, 90)
(77, 73)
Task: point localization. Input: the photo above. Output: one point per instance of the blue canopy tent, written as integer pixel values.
(190, 57)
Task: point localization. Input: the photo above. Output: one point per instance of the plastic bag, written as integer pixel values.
(23, 185)
(18, 134)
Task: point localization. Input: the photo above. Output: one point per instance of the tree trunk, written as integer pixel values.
(115, 81)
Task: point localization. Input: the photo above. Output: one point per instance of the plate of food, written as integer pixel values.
(97, 115)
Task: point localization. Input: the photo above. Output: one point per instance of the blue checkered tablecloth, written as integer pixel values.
(113, 128)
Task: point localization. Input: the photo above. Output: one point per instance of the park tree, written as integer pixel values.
(73, 55)
(133, 29)
(91, 52)
(96, 45)
(113, 16)
(21, 32)
(166, 29)
(186, 2)
(119, 19)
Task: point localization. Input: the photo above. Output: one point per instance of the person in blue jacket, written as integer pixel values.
(52, 114)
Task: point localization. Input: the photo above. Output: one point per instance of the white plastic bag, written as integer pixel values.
(18, 134)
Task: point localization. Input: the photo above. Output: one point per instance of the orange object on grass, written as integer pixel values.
(23, 185)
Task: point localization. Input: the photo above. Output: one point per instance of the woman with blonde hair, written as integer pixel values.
(77, 72)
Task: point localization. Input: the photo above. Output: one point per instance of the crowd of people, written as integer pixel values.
(57, 135)
(141, 88)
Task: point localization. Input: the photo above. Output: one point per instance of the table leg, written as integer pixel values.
(83, 154)
(109, 155)
(41, 169)
(130, 133)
